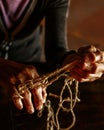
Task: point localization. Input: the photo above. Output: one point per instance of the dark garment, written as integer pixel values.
(25, 34)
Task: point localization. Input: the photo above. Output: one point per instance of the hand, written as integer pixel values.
(14, 74)
(90, 64)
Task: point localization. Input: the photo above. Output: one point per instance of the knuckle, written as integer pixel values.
(31, 71)
(28, 93)
(29, 67)
(12, 80)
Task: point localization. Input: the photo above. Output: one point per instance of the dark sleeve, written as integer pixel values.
(55, 34)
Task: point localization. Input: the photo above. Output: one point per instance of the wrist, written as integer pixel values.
(68, 54)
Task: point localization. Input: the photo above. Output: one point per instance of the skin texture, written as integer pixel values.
(12, 74)
(90, 67)
(90, 64)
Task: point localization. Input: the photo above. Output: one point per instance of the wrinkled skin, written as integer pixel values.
(90, 64)
(90, 67)
(12, 74)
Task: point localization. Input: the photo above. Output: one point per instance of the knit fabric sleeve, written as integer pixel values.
(55, 31)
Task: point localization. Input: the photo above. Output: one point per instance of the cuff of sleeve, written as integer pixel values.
(66, 54)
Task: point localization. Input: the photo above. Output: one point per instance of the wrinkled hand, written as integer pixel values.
(19, 73)
(90, 65)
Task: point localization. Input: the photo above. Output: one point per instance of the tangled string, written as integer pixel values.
(52, 116)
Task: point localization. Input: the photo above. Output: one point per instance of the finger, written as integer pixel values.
(92, 54)
(92, 77)
(92, 67)
(27, 74)
(76, 76)
(21, 77)
(24, 76)
(99, 56)
(28, 101)
(98, 68)
(87, 49)
(38, 98)
(14, 93)
(96, 76)
(44, 94)
(31, 71)
(80, 73)
(88, 66)
(17, 100)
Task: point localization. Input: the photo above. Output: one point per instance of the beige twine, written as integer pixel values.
(52, 117)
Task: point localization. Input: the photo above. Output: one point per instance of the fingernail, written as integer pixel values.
(18, 104)
(30, 110)
(39, 107)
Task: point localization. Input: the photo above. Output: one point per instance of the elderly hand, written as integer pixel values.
(90, 64)
(14, 74)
